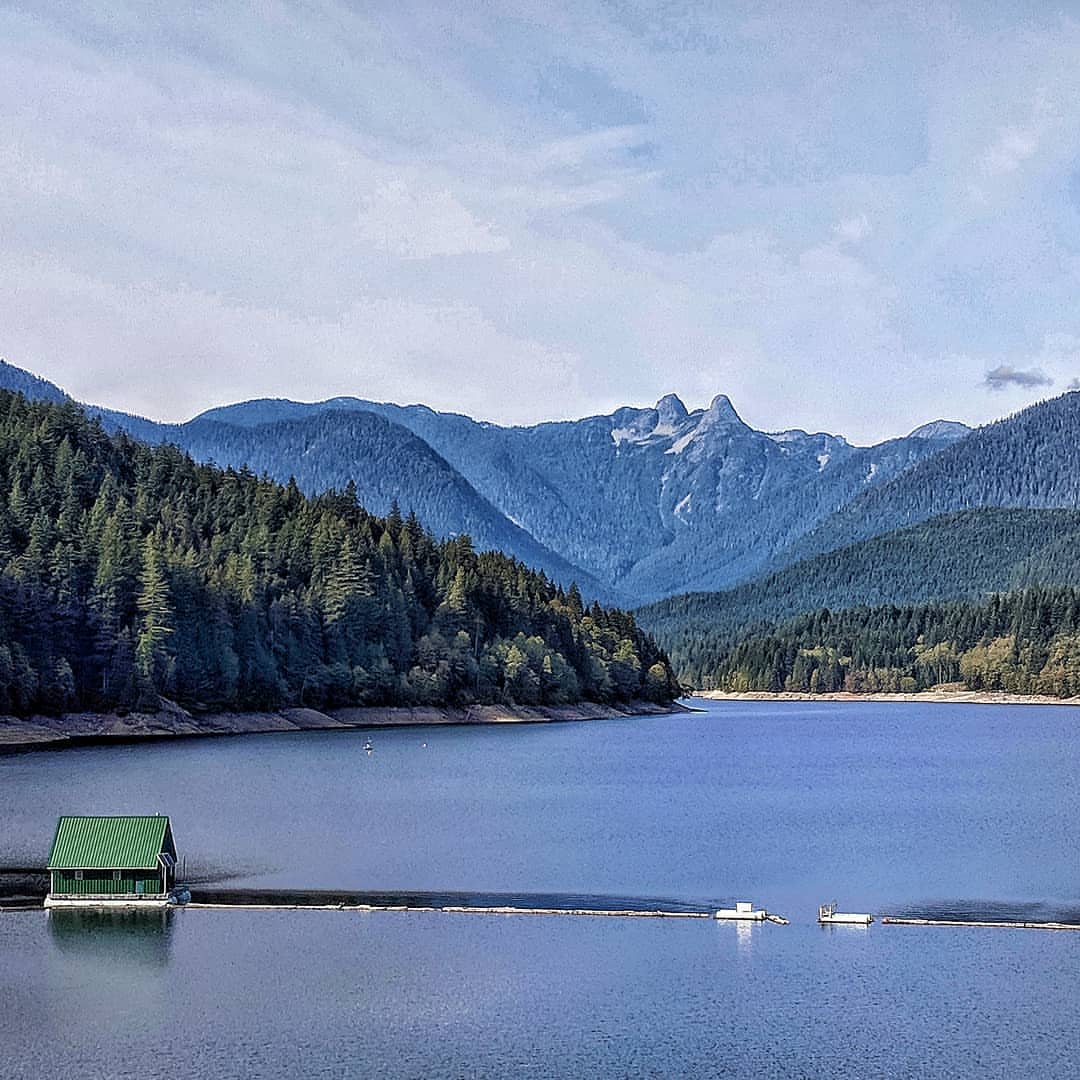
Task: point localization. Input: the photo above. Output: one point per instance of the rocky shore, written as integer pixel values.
(947, 696)
(171, 721)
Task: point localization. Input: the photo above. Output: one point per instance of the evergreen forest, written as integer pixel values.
(132, 574)
(969, 555)
(1025, 642)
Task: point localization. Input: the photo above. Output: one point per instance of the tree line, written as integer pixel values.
(129, 573)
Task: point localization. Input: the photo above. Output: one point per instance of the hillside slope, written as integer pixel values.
(1031, 459)
(651, 501)
(129, 572)
(968, 555)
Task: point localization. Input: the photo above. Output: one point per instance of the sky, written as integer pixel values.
(846, 217)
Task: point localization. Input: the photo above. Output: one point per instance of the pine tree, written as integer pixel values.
(155, 623)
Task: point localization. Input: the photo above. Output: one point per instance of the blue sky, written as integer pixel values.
(846, 217)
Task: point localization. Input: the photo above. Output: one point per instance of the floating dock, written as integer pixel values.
(744, 911)
(472, 904)
(829, 916)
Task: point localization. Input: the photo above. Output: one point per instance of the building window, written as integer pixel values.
(116, 875)
(78, 875)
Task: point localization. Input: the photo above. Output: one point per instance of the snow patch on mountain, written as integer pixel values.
(941, 429)
(680, 444)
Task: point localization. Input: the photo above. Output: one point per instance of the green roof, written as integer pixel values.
(109, 843)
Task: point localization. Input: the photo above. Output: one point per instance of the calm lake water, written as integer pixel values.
(885, 807)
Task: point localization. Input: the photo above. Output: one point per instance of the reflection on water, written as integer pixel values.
(116, 938)
(744, 937)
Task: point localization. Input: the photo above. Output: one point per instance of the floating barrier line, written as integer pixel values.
(457, 910)
(894, 920)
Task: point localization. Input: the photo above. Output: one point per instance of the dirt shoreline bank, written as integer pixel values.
(172, 722)
(950, 697)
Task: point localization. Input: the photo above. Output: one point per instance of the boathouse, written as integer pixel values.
(111, 860)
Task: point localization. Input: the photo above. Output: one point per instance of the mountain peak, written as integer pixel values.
(670, 410)
(941, 429)
(721, 411)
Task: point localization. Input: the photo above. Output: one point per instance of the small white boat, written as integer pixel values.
(827, 913)
(368, 748)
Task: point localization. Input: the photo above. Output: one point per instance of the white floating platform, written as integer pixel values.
(827, 914)
(744, 911)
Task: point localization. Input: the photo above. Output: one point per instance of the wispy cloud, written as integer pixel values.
(1005, 376)
(413, 221)
(852, 229)
(588, 203)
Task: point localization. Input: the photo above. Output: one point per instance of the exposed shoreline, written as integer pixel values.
(172, 722)
(948, 697)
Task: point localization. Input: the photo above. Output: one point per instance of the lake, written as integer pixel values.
(886, 807)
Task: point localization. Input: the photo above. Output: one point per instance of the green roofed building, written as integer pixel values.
(111, 860)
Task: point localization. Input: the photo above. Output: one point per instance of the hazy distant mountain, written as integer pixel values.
(388, 464)
(23, 382)
(636, 505)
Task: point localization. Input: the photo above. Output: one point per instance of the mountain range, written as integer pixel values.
(635, 506)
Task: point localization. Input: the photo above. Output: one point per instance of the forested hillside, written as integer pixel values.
(383, 461)
(969, 554)
(129, 572)
(1026, 642)
(1031, 459)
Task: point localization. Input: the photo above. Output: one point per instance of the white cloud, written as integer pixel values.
(411, 223)
(1012, 148)
(327, 202)
(852, 229)
(118, 346)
